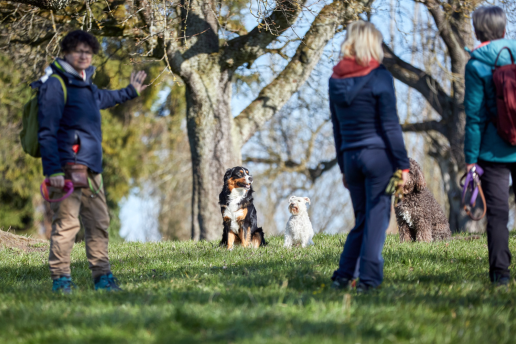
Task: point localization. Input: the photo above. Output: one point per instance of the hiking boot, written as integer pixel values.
(107, 282)
(63, 284)
(501, 281)
(363, 288)
(341, 283)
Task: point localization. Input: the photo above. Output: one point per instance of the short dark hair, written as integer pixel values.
(489, 23)
(73, 38)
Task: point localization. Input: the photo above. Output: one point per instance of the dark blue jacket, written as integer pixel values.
(59, 123)
(363, 112)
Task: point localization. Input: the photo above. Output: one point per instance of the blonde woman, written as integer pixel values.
(370, 148)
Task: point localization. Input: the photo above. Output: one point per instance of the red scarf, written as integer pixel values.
(348, 67)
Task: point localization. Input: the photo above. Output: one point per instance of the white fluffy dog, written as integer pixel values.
(299, 228)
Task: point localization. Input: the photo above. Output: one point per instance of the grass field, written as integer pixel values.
(186, 292)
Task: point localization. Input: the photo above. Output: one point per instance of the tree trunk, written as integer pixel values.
(209, 121)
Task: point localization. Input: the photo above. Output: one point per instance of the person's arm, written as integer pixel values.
(51, 105)
(337, 136)
(389, 121)
(475, 118)
(108, 98)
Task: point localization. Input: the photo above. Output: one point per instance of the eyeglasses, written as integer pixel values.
(81, 52)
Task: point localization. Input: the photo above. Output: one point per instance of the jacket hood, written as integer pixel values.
(488, 53)
(343, 91)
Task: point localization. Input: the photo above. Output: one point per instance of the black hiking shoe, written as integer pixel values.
(363, 288)
(341, 283)
(501, 281)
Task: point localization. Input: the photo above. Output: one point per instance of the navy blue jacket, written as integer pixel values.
(364, 115)
(59, 123)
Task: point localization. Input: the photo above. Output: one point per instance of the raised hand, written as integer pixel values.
(137, 81)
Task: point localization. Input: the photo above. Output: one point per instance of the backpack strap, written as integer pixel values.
(58, 77)
(510, 53)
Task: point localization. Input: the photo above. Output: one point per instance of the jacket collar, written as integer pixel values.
(73, 77)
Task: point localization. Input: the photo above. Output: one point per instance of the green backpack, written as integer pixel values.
(30, 124)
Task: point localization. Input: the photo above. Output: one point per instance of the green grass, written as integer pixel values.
(186, 292)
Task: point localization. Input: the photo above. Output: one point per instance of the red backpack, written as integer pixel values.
(504, 79)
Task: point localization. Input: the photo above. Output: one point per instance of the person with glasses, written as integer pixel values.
(70, 135)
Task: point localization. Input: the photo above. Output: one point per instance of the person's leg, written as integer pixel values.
(495, 184)
(65, 226)
(351, 252)
(95, 218)
(379, 170)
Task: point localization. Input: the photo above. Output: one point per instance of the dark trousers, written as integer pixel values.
(495, 183)
(367, 172)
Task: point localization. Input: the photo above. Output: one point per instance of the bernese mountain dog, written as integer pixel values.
(238, 212)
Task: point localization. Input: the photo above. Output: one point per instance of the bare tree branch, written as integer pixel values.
(249, 47)
(322, 167)
(448, 30)
(423, 127)
(47, 4)
(293, 166)
(278, 92)
(419, 80)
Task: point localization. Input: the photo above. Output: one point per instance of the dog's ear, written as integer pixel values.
(419, 177)
(227, 174)
(307, 200)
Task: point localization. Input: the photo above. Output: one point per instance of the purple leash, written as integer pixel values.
(472, 183)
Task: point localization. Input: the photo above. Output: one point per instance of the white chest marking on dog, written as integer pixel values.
(408, 218)
(232, 211)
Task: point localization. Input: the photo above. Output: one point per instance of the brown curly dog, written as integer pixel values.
(419, 216)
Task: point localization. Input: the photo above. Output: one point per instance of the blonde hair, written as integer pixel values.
(363, 42)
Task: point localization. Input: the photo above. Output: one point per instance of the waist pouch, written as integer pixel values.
(78, 174)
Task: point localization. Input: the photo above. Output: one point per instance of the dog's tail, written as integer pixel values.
(259, 236)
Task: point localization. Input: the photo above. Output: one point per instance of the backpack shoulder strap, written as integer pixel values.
(65, 91)
(498, 56)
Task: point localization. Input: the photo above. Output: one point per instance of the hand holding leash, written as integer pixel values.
(395, 186)
(57, 181)
(67, 189)
(472, 183)
(404, 178)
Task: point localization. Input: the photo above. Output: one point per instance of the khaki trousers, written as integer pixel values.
(92, 210)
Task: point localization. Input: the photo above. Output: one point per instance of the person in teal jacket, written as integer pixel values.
(483, 145)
